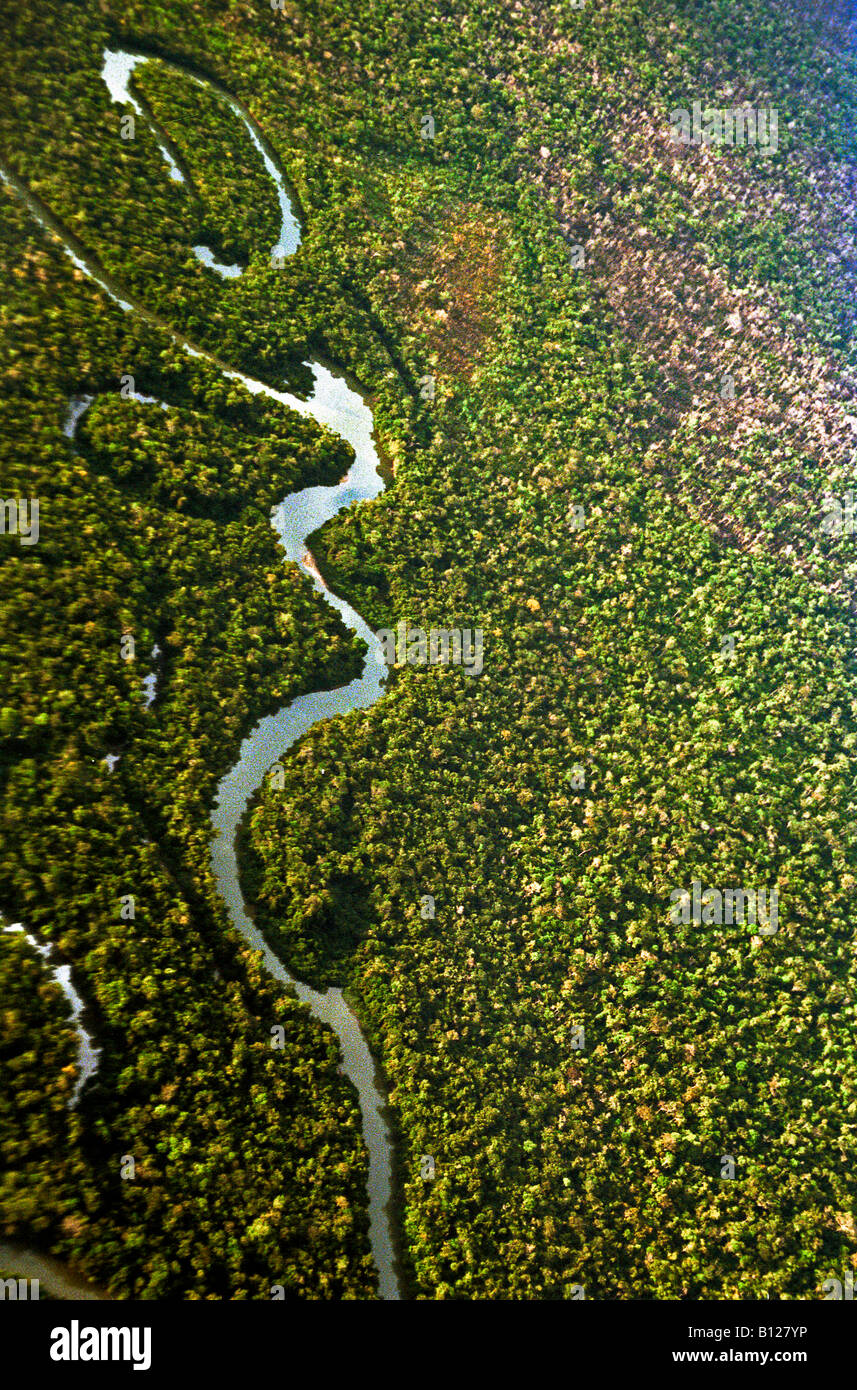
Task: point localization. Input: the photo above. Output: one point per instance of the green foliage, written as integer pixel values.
(554, 1164)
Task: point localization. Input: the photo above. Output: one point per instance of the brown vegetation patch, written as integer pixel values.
(686, 319)
(447, 287)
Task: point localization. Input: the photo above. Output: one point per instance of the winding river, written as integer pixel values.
(87, 1052)
(337, 407)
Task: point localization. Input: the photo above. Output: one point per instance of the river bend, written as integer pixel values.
(336, 406)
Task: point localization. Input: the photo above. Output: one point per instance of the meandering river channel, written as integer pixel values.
(337, 406)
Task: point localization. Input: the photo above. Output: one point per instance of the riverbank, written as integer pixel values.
(60, 1280)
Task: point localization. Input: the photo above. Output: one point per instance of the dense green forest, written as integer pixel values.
(643, 366)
